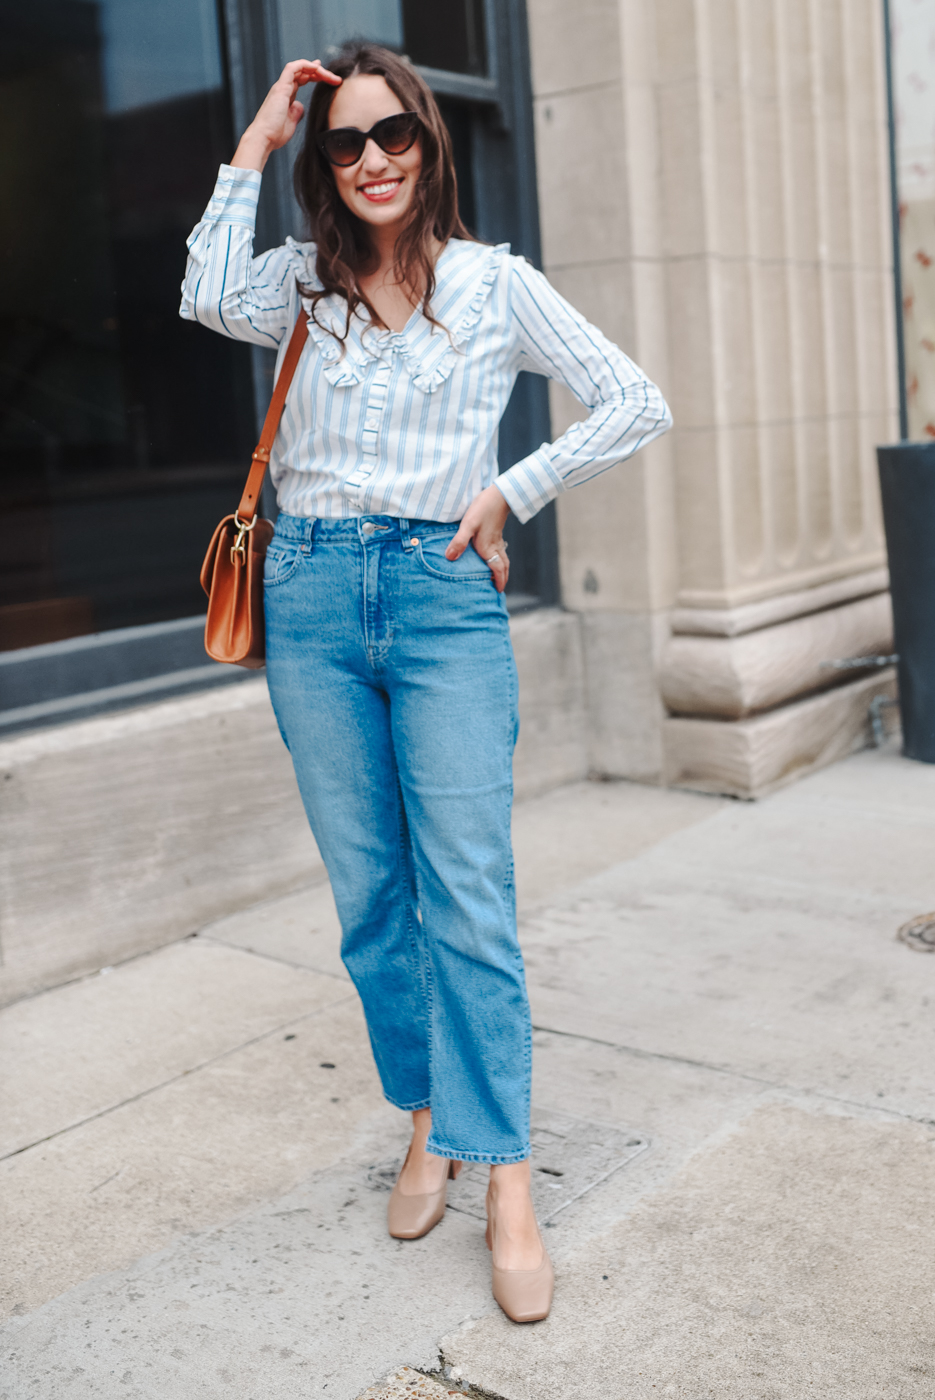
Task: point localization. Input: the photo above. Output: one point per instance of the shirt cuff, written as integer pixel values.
(530, 484)
(235, 197)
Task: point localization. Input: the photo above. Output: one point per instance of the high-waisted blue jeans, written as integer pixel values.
(392, 677)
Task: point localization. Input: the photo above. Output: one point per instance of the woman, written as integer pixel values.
(388, 649)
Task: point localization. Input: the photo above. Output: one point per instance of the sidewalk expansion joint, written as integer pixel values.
(639, 1053)
(174, 1079)
(96, 972)
(269, 957)
(473, 1392)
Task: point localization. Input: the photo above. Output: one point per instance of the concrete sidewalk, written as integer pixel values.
(197, 1154)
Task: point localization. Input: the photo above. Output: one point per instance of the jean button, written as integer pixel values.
(368, 527)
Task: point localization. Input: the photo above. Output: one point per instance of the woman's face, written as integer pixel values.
(379, 188)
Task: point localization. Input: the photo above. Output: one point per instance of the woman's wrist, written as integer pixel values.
(253, 151)
(501, 504)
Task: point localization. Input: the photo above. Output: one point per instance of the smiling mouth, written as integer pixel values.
(380, 190)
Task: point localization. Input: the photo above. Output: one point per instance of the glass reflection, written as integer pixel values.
(122, 429)
(446, 36)
(334, 21)
(449, 36)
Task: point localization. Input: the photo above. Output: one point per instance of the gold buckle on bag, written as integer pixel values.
(237, 548)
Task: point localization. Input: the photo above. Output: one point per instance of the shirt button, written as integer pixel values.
(370, 423)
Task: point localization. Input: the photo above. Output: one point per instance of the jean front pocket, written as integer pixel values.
(282, 560)
(430, 552)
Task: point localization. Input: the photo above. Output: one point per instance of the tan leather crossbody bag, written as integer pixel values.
(232, 574)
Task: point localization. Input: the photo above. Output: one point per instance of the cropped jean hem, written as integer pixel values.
(456, 1154)
(408, 1107)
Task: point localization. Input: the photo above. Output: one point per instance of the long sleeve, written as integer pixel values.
(627, 409)
(225, 287)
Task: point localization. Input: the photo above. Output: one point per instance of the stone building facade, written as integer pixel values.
(714, 192)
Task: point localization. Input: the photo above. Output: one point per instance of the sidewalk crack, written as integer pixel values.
(174, 1079)
(639, 1053)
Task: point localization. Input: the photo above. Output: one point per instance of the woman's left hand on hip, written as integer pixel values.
(482, 527)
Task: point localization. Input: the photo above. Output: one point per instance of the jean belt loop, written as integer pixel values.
(404, 531)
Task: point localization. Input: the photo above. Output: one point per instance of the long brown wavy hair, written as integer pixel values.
(344, 247)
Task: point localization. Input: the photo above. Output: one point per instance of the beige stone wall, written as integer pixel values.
(714, 194)
(912, 27)
(600, 205)
(917, 234)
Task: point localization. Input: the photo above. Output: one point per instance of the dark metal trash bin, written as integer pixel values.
(907, 481)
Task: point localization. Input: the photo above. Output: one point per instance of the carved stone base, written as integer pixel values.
(733, 677)
(750, 757)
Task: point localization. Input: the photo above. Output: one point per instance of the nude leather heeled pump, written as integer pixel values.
(411, 1217)
(525, 1295)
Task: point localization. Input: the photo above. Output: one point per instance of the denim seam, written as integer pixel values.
(381, 649)
(407, 1107)
(302, 544)
(455, 1154)
(419, 957)
(479, 577)
(289, 571)
(510, 886)
(514, 691)
(365, 599)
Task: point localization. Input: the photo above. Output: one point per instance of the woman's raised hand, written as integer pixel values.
(276, 121)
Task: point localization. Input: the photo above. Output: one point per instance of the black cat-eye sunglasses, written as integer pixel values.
(344, 145)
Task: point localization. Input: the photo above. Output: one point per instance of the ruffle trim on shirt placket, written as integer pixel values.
(341, 369)
(428, 365)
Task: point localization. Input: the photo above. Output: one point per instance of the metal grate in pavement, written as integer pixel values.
(570, 1156)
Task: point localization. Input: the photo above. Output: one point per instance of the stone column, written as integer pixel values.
(714, 194)
(600, 198)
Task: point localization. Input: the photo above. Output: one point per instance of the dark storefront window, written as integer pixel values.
(449, 37)
(123, 431)
(446, 36)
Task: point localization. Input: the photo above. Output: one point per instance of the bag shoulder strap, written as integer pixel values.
(251, 492)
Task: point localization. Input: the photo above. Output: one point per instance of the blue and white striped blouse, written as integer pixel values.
(405, 423)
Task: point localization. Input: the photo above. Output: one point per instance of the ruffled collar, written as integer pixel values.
(465, 274)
